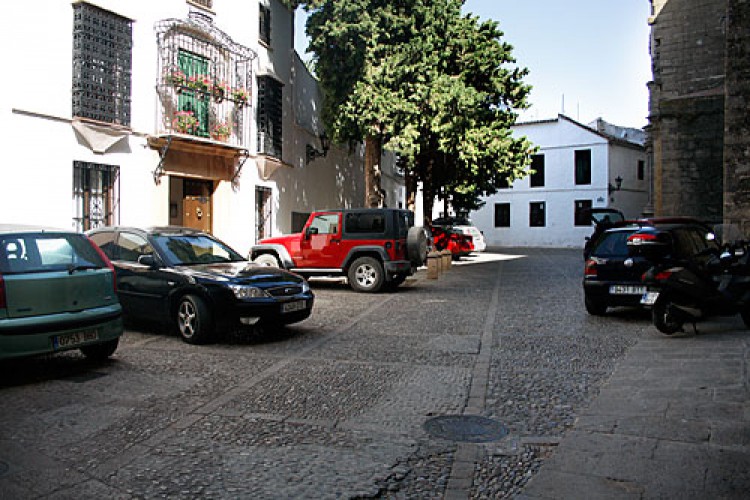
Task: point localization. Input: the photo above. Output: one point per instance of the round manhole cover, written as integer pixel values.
(468, 428)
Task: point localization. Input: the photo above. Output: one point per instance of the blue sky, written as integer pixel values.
(589, 55)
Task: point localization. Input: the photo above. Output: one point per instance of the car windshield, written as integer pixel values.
(190, 249)
(613, 244)
(46, 252)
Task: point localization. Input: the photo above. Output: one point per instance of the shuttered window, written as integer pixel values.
(269, 116)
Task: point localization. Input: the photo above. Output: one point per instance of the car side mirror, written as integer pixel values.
(310, 231)
(149, 260)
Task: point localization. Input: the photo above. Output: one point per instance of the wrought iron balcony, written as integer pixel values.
(204, 82)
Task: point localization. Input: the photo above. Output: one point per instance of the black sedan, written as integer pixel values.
(190, 279)
(612, 274)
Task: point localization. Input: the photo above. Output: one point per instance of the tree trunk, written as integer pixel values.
(428, 193)
(373, 156)
(411, 184)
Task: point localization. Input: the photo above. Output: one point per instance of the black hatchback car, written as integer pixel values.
(612, 275)
(197, 283)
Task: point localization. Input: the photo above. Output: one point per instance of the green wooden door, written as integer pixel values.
(196, 101)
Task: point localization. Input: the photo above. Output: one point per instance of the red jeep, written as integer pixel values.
(374, 248)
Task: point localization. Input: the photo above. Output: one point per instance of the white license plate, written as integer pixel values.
(74, 339)
(649, 298)
(627, 290)
(297, 305)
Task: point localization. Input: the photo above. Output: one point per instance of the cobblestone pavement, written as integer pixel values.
(334, 407)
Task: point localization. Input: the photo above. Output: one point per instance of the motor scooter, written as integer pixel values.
(696, 289)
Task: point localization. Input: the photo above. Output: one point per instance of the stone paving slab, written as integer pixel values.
(672, 422)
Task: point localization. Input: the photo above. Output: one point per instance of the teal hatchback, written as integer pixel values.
(57, 293)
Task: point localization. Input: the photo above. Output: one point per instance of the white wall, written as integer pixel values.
(40, 144)
(558, 140)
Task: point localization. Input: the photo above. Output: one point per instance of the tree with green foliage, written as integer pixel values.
(354, 43)
(435, 86)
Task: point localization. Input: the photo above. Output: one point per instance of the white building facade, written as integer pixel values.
(186, 112)
(576, 167)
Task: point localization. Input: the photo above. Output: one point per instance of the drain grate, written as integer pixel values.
(466, 428)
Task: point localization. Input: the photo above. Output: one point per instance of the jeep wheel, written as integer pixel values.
(416, 245)
(266, 259)
(366, 275)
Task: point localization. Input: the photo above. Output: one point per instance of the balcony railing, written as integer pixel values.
(204, 82)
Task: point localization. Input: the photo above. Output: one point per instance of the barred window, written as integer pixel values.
(96, 195)
(269, 116)
(102, 64)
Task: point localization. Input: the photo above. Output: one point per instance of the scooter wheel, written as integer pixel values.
(665, 320)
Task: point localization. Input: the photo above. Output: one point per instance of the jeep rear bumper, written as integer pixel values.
(398, 267)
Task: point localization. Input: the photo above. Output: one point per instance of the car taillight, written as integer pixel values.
(641, 238)
(3, 305)
(663, 275)
(590, 269)
(106, 260)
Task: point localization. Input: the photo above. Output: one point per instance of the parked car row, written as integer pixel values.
(61, 290)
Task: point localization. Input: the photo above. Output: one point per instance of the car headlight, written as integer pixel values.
(244, 292)
(305, 287)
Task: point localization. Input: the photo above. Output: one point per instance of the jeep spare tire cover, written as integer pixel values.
(416, 245)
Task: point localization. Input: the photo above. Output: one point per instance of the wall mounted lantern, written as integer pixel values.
(616, 187)
(311, 152)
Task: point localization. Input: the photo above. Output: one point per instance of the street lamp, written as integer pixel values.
(311, 152)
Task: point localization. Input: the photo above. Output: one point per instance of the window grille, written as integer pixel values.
(206, 4)
(269, 116)
(96, 195)
(102, 64)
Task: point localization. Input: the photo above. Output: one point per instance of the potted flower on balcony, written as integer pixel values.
(199, 82)
(220, 91)
(175, 77)
(185, 122)
(240, 96)
(221, 131)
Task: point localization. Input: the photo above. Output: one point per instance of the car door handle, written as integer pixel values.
(334, 240)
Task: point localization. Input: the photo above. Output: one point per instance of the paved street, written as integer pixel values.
(344, 404)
